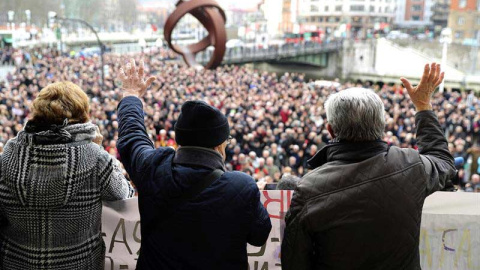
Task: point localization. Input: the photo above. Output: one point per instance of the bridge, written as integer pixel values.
(313, 54)
(376, 61)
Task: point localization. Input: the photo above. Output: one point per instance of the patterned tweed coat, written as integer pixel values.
(51, 199)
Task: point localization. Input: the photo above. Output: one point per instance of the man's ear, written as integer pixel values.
(330, 130)
(218, 148)
(221, 149)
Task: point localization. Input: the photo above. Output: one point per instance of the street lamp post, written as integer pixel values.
(142, 43)
(28, 13)
(102, 46)
(11, 14)
(446, 38)
(475, 53)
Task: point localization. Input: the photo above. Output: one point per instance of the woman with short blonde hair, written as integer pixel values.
(59, 101)
(54, 176)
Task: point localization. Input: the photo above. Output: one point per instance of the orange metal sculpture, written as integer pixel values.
(212, 17)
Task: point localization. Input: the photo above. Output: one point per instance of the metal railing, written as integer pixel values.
(245, 55)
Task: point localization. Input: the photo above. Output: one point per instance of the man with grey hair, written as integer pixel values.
(361, 206)
(356, 114)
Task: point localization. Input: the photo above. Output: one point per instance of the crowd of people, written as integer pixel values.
(10, 56)
(278, 120)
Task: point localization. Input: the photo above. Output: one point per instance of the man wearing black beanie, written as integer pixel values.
(194, 214)
(202, 125)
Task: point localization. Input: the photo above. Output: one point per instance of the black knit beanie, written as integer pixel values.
(200, 124)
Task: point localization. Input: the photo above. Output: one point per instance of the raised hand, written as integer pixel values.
(98, 136)
(421, 94)
(133, 80)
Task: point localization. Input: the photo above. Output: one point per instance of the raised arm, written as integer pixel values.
(134, 145)
(433, 147)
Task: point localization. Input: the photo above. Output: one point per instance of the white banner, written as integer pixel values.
(449, 238)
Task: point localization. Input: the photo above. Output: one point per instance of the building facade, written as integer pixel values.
(347, 18)
(464, 20)
(290, 12)
(440, 12)
(413, 14)
(273, 13)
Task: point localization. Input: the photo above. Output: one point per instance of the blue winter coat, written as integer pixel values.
(210, 231)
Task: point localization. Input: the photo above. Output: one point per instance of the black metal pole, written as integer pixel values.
(102, 47)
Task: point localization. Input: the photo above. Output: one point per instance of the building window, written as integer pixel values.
(338, 8)
(357, 19)
(416, 8)
(415, 18)
(461, 21)
(462, 3)
(326, 8)
(313, 8)
(478, 20)
(357, 8)
(458, 34)
(372, 8)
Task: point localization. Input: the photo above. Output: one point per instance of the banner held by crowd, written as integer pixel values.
(449, 236)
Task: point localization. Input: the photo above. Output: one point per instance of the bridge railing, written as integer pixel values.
(246, 54)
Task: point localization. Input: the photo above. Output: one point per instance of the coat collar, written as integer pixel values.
(57, 134)
(199, 156)
(348, 152)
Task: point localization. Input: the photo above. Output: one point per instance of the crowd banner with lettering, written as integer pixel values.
(449, 237)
